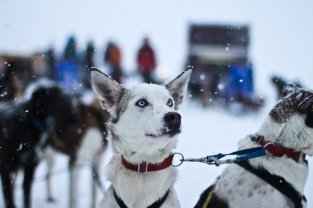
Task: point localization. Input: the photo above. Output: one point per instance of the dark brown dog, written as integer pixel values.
(23, 134)
(84, 143)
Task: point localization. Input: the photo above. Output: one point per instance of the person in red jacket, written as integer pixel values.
(146, 61)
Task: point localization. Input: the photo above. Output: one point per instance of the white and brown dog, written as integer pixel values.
(143, 131)
(278, 178)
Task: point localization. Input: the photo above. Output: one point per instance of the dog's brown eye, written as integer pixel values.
(142, 103)
(170, 102)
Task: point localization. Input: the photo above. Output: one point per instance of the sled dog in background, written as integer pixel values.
(84, 143)
(278, 178)
(142, 130)
(25, 127)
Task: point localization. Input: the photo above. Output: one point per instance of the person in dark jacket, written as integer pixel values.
(88, 62)
(70, 49)
(50, 61)
(146, 61)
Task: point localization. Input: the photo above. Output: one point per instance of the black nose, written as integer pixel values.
(173, 118)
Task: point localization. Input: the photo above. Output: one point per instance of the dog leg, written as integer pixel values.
(29, 171)
(95, 173)
(7, 187)
(95, 177)
(73, 184)
(50, 163)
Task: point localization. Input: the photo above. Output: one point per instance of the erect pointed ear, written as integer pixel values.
(178, 86)
(289, 88)
(106, 89)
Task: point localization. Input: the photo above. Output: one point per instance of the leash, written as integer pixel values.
(242, 155)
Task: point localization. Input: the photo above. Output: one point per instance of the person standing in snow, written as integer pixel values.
(50, 61)
(87, 63)
(67, 69)
(146, 61)
(70, 50)
(112, 57)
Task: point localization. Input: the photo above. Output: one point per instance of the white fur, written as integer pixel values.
(90, 152)
(133, 127)
(130, 136)
(293, 134)
(241, 188)
(91, 146)
(139, 190)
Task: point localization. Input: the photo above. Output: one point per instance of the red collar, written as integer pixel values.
(143, 168)
(279, 151)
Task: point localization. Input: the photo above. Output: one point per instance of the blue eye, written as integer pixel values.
(142, 103)
(169, 102)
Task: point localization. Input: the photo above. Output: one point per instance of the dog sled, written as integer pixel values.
(223, 74)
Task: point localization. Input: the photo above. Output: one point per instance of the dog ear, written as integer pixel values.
(106, 89)
(289, 88)
(178, 86)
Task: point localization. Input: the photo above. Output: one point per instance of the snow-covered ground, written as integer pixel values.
(205, 132)
(281, 43)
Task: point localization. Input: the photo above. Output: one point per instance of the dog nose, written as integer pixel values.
(173, 118)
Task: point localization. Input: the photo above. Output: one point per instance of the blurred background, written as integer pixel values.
(242, 52)
(279, 32)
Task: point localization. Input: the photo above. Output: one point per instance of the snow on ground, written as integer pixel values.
(205, 132)
(281, 44)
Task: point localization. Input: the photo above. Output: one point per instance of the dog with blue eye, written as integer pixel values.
(142, 130)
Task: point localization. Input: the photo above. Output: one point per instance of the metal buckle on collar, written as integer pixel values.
(269, 154)
(146, 170)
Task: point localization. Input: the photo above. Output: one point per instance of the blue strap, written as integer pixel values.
(242, 154)
(39, 125)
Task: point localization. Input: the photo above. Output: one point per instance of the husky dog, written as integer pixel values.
(142, 130)
(84, 142)
(24, 129)
(278, 178)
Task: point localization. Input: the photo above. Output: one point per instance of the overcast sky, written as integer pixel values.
(281, 30)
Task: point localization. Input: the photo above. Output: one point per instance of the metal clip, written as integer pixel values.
(146, 170)
(193, 159)
(212, 161)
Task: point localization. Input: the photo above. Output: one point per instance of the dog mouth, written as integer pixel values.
(168, 133)
(153, 136)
